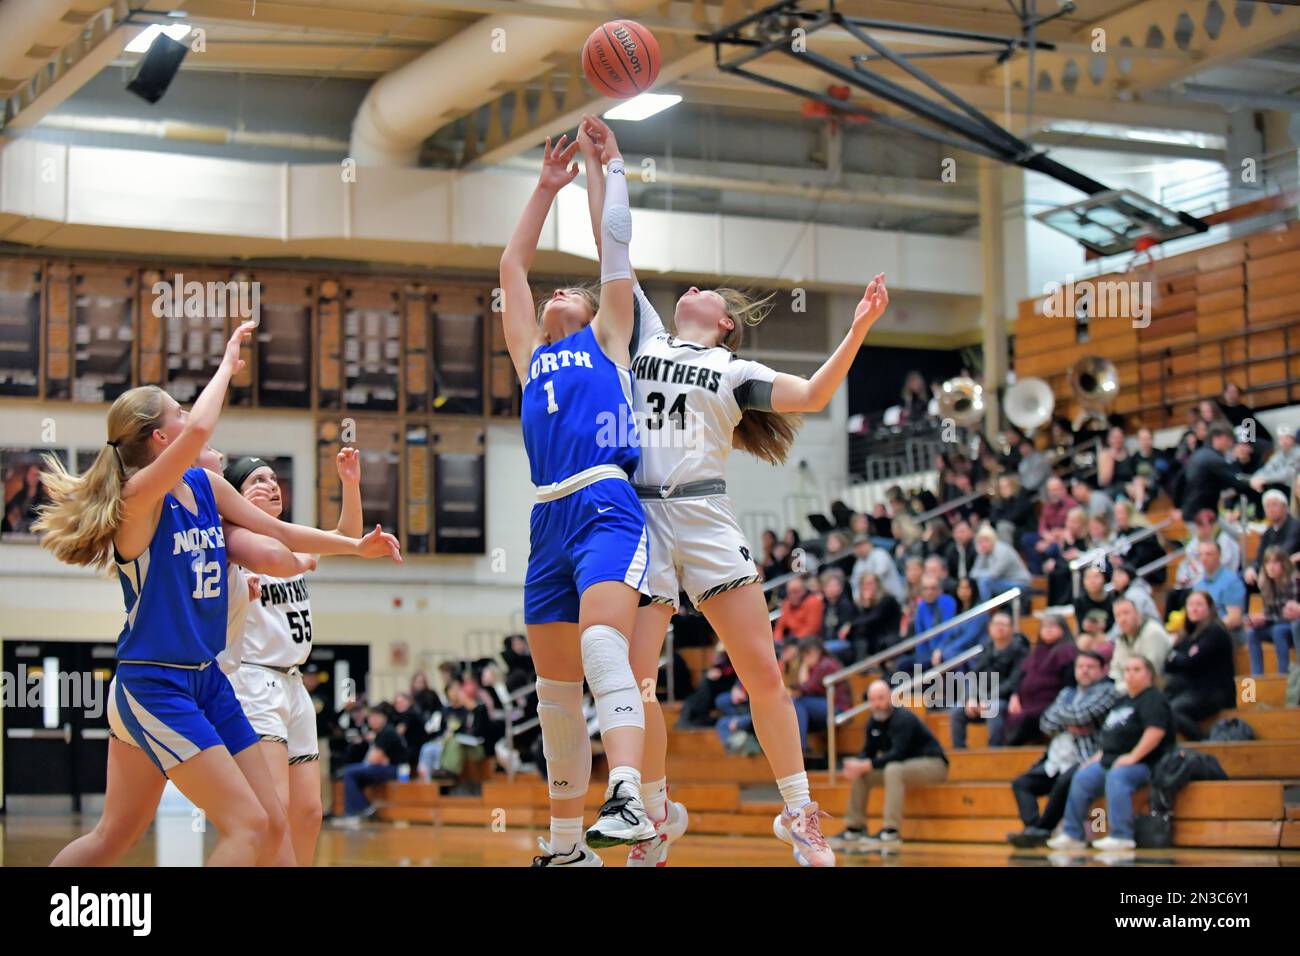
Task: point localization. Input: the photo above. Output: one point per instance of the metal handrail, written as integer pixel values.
(830, 680)
(1083, 560)
(832, 725)
(1161, 562)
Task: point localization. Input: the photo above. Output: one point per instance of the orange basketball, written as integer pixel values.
(621, 59)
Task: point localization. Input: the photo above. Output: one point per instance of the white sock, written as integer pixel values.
(630, 777)
(794, 791)
(655, 794)
(566, 834)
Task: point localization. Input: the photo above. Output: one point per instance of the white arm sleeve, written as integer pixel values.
(646, 323)
(615, 226)
(236, 611)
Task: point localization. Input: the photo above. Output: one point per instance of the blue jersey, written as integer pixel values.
(175, 592)
(577, 411)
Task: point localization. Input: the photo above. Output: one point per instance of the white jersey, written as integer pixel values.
(688, 401)
(236, 613)
(277, 628)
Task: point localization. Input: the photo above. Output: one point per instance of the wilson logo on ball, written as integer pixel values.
(621, 59)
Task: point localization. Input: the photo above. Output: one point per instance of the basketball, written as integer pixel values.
(621, 59)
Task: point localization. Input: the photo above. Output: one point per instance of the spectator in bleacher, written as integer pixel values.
(1012, 512)
(975, 510)
(838, 555)
(899, 752)
(408, 720)
(1055, 509)
(1248, 456)
(913, 569)
(736, 723)
(1094, 502)
(1127, 586)
(809, 694)
(768, 541)
(1136, 733)
(1200, 672)
(1035, 467)
(1137, 635)
(1094, 596)
(1282, 466)
(1140, 491)
(936, 537)
(869, 559)
(697, 709)
(1277, 590)
(779, 563)
(1137, 552)
(1071, 725)
(385, 753)
(1224, 586)
(1150, 461)
(915, 398)
(1092, 635)
(960, 552)
(877, 623)
(1282, 531)
(1116, 466)
(997, 565)
(425, 698)
(839, 614)
(1232, 408)
(1207, 474)
(1069, 544)
(1100, 534)
(1002, 651)
(1038, 678)
(462, 735)
(518, 660)
(933, 607)
(938, 567)
(881, 522)
(801, 611)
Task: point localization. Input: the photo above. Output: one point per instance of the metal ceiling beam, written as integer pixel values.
(1239, 99)
(1123, 71)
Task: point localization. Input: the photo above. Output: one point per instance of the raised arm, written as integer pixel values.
(237, 510)
(517, 310)
(146, 487)
(793, 394)
(348, 462)
(614, 319)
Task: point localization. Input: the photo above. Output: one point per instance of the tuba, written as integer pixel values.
(962, 400)
(1095, 384)
(1029, 404)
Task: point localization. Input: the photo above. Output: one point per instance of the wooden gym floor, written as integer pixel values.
(33, 840)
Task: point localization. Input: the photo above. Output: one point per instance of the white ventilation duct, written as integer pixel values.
(406, 106)
(23, 24)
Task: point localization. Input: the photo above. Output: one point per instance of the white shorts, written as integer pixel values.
(696, 546)
(279, 708)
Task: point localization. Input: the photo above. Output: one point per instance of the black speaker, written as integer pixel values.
(156, 69)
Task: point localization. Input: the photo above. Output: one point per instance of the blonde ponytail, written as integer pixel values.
(763, 434)
(83, 514)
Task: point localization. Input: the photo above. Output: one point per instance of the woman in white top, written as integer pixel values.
(695, 400)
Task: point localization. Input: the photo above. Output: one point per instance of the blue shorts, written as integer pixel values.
(595, 534)
(174, 713)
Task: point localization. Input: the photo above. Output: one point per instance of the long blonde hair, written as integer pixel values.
(84, 511)
(763, 434)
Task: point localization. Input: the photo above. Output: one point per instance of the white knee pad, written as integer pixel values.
(564, 738)
(609, 675)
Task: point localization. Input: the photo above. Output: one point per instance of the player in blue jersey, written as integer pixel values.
(588, 549)
(135, 785)
(142, 507)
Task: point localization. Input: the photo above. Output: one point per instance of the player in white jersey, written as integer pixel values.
(135, 785)
(695, 400)
(276, 643)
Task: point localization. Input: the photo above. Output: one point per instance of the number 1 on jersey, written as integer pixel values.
(551, 407)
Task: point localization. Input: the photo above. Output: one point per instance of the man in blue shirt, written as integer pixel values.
(933, 608)
(1223, 584)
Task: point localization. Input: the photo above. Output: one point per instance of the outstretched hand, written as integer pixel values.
(556, 169)
(348, 462)
(601, 136)
(872, 306)
(380, 544)
(234, 344)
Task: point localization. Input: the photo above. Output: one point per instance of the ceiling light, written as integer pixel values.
(643, 106)
(145, 38)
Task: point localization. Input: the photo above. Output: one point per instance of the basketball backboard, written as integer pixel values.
(1114, 221)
